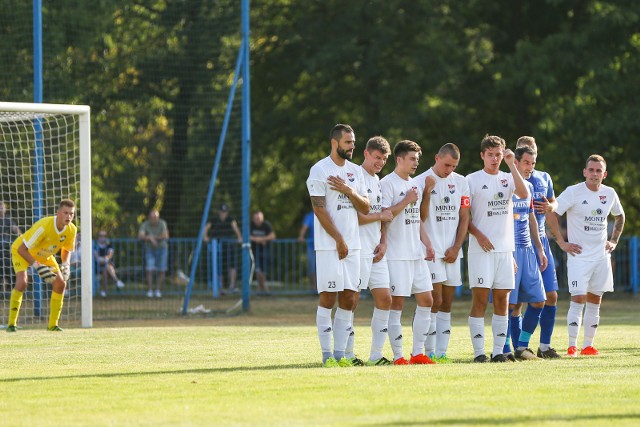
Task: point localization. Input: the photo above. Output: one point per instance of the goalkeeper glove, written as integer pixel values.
(46, 273)
(65, 271)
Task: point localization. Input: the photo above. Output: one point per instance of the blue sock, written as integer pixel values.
(507, 348)
(547, 322)
(516, 328)
(529, 324)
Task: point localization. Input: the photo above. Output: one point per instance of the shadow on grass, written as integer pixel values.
(176, 372)
(607, 418)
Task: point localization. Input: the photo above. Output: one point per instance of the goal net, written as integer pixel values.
(45, 157)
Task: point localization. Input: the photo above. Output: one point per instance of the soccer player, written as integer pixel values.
(528, 283)
(337, 191)
(37, 248)
(445, 212)
(491, 244)
(589, 273)
(374, 271)
(408, 271)
(544, 201)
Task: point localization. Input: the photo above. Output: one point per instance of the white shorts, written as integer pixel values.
(444, 272)
(409, 277)
(336, 275)
(492, 270)
(373, 274)
(589, 276)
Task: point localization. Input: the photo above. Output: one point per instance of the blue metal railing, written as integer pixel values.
(286, 269)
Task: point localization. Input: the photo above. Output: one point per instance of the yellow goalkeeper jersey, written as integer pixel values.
(43, 239)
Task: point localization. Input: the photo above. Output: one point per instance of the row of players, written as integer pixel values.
(378, 233)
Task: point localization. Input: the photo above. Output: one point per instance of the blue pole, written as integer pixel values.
(212, 182)
(246, 156)
(38, 167)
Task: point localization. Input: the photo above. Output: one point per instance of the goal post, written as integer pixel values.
(45, 156)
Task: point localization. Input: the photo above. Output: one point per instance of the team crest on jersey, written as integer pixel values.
(452, 188)
(350, 177)
(504, 183)
(500, 195)
(62, 238)
(596, 212)
(603, 199)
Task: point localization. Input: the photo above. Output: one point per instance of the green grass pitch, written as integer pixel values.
(263, 369)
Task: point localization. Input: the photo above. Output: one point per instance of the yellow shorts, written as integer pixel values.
(21, 264)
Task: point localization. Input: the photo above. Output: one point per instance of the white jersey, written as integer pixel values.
(403, 232)
(492, 209)
(449, 195)
(370, 233)
(339, 206)
(587, 213)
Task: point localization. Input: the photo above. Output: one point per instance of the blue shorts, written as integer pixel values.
(156, 258)
(549, 277)
(529, 287)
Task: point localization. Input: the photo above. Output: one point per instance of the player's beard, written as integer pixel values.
(344, 154)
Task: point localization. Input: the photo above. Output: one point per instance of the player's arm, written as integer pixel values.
(361, 203)
(546, 205)
(424, 237)
(384, 216)
(319, 204)
(429, 183)
(381, 249)
(65, 256)
(303, 232)
(535, 238)
(554, 228)
(451, 254)
(410, 197)
(207, 227)
(521, 188)
(23, 251)
(483, 240)
(618, 225)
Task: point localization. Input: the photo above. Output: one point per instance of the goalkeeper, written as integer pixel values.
(37, 248)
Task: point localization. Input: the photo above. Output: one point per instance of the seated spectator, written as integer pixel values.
(103, 254)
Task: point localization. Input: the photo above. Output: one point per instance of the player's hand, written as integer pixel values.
(509, 157)
(65, 270)
(46, 273)
(379, 251)
(342, 248)
(451, 254)
(570, 248)
(610, 246)
(515, 265)
(543, 206)
(386, 215)
(338, 184)
(412, 195)
(429, 183)
(544, 262)
(485, 243)
(431, 253)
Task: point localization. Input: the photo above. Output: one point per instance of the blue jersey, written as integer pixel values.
(542, 187)
(521, 210)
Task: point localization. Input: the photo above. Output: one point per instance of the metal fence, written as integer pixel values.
(286, 267)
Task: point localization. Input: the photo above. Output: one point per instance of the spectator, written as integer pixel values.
(103, 256)
(154, 233)
(307, 226)
(76, 256)
(224, 227)
(8, 232)
(261, 234)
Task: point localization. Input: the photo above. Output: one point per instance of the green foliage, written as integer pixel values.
(157, 74)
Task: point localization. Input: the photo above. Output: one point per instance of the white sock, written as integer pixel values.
(430, 342)
(341, 330)
(323, 322)
(499, 325)
(591, 320)
(476, 329)
(349, 354)
(395, 333)
(421, 323)
(379, 332)
(574, 320)
(443, 333)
